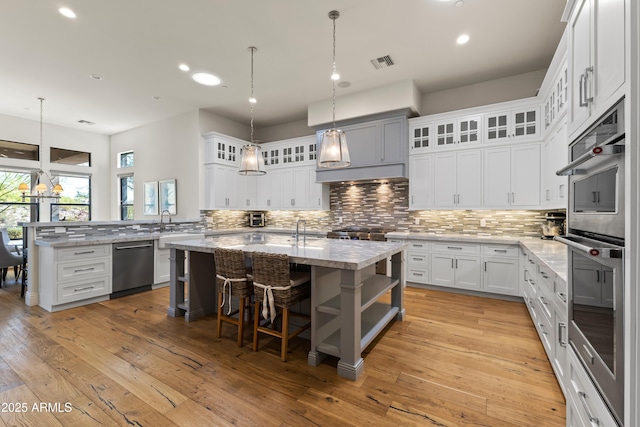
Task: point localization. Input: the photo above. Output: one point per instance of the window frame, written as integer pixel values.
(54, 204)
(126, 208)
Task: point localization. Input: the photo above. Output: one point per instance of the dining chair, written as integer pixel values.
(9, 258)
(232, 281)
(275, 286)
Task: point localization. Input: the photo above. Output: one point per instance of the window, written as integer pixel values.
(75, 200)
(125, 159)
(19, 150)
(71, 157)
(12, 209)
(126, 197)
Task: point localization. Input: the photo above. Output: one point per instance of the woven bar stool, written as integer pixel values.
(275, 285)
(233, 281)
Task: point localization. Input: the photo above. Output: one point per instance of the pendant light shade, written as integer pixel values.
(334, 152)
(252, 162)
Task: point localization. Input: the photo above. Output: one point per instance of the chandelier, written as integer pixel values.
(39, 192)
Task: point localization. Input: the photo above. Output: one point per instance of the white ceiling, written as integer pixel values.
(136, 47)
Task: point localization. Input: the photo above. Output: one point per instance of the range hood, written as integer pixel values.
(378, 148)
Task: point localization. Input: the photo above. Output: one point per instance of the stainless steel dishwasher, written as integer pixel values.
(132, 267)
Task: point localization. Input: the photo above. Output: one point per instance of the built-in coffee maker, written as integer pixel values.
(256, 219)
(554, 225)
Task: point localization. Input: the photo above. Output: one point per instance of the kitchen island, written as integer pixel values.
(350, 303)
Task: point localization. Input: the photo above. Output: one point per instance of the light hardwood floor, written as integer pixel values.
(455, 361)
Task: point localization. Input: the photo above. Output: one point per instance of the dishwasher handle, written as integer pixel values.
(146, 245)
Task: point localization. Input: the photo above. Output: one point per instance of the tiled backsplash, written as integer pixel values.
(370, 204)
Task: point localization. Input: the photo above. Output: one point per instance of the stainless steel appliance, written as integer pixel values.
(132, 267)
(596, 177)
(595, 242)
(554, 225)
(257, 219)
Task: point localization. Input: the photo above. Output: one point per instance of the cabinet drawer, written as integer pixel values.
(418, 246)
(418, 259)
(85, 268)
(500, 250)
(455, 248)
(418, 275)
(83, 289)
(585, 397)
(82, 252)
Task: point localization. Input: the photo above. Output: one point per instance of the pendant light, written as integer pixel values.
(41, 188)
(334, 152)
(252, 162)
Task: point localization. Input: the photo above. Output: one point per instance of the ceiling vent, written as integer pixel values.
(86, 122)
(382, 62)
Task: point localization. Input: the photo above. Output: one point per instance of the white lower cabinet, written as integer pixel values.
(70, 275)
(501, 275)
(418, 262)
(585, 407)
(455, 265)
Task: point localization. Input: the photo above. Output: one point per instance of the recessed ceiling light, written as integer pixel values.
(184, 67)
(462, 39)
(206, 79)
(95, 77)
(65, 11)
(344, 84)
(459, 3)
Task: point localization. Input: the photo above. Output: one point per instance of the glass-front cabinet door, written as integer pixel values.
(497, 127)
(469, 130)
(445, 134)
(421, 139)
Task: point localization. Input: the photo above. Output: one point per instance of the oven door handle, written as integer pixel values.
(591, 251)
(572, 168)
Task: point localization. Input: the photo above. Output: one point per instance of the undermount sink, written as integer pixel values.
(174, 237)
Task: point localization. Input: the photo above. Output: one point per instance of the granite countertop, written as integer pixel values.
(553, 254)
(332, 253)
(103, 240)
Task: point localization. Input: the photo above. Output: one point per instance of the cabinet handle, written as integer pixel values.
(562, 296)
(597, 275)
(581, 101)
(83, 252)
(456, 263)
(417, 274)
(417, 259)
(588, 96)
(454, 247)
(543, 300)
(504, 251)
(452, 263)
(544, 332)
(485, 266)
(80, 270)
(561, 327)
(513, 197)
(547, 195)
(417, 245)
(597, 197)
(82, 289)
(454, 199)
(583, 399)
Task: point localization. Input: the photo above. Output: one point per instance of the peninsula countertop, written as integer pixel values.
(333, 253)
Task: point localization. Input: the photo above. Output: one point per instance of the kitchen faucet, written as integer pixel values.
(162, 225)
(304, 231)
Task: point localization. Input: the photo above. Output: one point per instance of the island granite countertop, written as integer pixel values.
(333, 253)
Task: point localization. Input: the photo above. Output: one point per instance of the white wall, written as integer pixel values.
(284, 131)
(209, 122)
(162, 150)
(28, 131)
(484, 93)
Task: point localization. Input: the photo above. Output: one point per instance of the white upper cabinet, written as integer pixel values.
(421, 182)
(421, 138)
(461, 131)
(596, 59)
(522, 124)
(458, 179)
(222, 149)
(554, 156)
(511, 177)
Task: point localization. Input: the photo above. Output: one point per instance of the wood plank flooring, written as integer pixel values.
(455, 361)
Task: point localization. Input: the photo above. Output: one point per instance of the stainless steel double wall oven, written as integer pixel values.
(595, 241)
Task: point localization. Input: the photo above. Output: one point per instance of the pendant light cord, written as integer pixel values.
(252, 100)
(333, 82)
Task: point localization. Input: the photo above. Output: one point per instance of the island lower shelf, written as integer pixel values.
(374, 320)
(374, 311)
